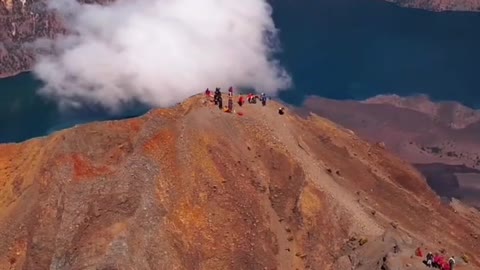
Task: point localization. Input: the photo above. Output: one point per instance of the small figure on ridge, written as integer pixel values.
(263, 98)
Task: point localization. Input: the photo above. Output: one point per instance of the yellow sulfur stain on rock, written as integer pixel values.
(155, 146)
(202, 161)
(18, 165)
(191, 221)
(310, 203)
(118, 228)
(203, 196)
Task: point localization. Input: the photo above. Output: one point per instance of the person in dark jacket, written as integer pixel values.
(429, 259)
(230, 104)
(220, 102)
(217, 95)
(241, 101)
(263, 98)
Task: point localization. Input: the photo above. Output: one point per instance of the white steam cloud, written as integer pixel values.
(159, 52)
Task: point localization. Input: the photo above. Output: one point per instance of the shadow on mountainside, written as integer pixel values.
(446, 181)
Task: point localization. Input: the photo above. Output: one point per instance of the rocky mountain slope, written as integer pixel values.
(193, 187)
(440, 138)
(450, 114)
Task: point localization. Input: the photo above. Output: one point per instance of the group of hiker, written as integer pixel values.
(438, 261)
(251, 98)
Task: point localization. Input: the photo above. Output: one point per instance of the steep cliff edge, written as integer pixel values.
(192, 187)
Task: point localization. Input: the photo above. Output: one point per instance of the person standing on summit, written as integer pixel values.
(451, 262)
(217, 96)
(220, 102)
(241, 101)
(263, 98)
(230, 91)
(249, 98)
(230, 103)
(429, 259)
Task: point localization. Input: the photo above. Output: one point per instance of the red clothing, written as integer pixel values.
(439, 260)
(241, 100)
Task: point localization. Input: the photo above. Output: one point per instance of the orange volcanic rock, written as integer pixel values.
(193, 187)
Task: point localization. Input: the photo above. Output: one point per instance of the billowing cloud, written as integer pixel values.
(159, 52)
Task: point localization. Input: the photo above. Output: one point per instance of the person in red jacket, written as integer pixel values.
(241, 101)
(419, 252)
(438, 261)
(435, 261)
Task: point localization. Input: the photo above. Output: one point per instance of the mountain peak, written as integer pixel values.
(194, 187)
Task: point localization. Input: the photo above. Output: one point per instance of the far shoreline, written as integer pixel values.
(435, 9)
(13, 74)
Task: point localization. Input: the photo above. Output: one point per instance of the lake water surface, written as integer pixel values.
(342, 49)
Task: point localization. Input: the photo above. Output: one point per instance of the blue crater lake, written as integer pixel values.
(341, 49)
